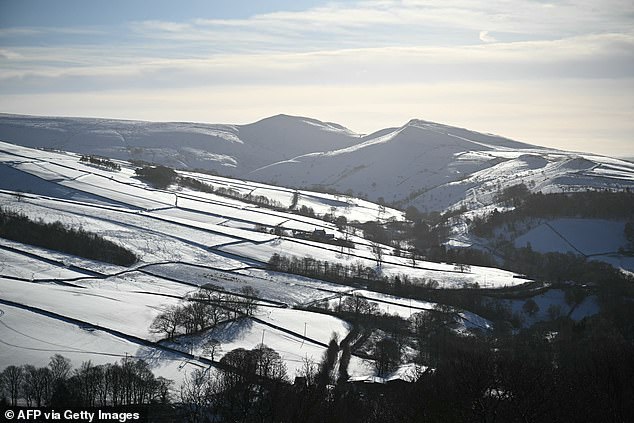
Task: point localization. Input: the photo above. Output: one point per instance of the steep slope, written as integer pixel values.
(418, 156)
(229, 149)
(285, 136)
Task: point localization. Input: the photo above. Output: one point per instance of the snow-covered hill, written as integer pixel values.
(52, 302)
(230, 149)
(425, 164)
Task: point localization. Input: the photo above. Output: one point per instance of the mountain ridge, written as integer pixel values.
(425, 164)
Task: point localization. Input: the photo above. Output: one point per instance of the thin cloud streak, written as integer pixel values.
(369, 22)
(495, 61)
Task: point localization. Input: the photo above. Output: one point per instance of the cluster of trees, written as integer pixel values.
(204, 309)
(560, 267)
(158, 176)
(55, 236)
(306, 211)
(258, 200)
(129, 382)
(255, 387)
(580, 374)
(318, 237)
(464, 256)
(195, 184)
(334, 272)
(246, 389)
(387, 356)
(590, 204)
(101, 162)
(356, 305)
(420, 235)
(514, 195)
(561, 371)
(352, 274)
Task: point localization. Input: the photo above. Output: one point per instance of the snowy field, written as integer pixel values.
(184, 240)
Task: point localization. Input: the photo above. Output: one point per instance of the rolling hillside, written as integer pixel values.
(52, 302)
(428, 165)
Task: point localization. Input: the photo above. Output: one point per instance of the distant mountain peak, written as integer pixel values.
(418, 122)
(430, 165)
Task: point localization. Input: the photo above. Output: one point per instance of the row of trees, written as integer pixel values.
(129, 382)
(101, 162)
(308, 266)
(55, 236)
(590, 204)
(162, 176)
(204, 309)
(259, 200)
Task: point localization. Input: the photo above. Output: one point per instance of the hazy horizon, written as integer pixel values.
(555, 74)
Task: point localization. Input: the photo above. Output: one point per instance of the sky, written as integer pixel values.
(552, 73)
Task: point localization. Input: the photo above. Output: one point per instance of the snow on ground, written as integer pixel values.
(586, 236)
(127, 312)
(136, 281)
(596, 239)
(31, 338)
(317, 326)
(543, 239)
(361, 369)
(321, 203)
(444, 274)
(248, 334)
(152, 240)
(409, 372)
(287, 289)
(195, 238)
(390, 304)
(406, 307)
(470, 321)
(25, 267)
(301, 282)
(63, 259)
(553, 298)
(622, 262)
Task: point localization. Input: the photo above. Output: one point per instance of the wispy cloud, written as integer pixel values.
(57, 69)
(366, 23)
(486, 37)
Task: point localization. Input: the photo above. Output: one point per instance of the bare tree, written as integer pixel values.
(377, 251)
(168, 321)
(60, 367)
(308, 371)
(249, 301)
(269, 363)
(12, 377)
(198, 391)
(358, 305)
(462, 268)
(211, 347)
